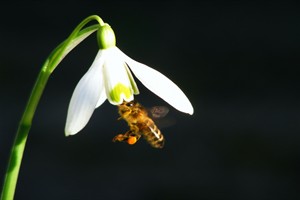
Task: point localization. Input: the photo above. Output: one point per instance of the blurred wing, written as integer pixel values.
(158, 114)
(158, 111)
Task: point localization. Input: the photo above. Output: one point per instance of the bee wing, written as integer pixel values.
(158, 114)
(158, 111)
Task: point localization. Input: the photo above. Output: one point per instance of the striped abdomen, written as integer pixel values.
(151, 133)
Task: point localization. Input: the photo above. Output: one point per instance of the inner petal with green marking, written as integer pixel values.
(119, 89)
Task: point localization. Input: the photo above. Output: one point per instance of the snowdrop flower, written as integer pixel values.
(109, 77)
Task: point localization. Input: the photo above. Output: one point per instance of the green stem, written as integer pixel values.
(51, 63)
(59, 55)
(21, 137)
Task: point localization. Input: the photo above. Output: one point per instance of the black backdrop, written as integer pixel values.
(237, 62)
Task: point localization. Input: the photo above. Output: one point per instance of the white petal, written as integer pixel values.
(102, 97)
(160, 85)
(85, 97)
(132, 81)
(118, 85)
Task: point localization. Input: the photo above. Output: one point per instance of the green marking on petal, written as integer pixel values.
(116, 93)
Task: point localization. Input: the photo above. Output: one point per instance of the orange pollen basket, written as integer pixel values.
(132, 140)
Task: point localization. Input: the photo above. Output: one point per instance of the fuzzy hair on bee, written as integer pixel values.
(140, 125)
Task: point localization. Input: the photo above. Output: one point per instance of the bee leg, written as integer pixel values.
(120, 138)
(133, 137)
(123, 137)
(134, 134)
(119, 118)
(129, 137)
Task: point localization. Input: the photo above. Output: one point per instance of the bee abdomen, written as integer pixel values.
(154, 137)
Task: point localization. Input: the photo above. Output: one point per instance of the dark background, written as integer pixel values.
(237, 62)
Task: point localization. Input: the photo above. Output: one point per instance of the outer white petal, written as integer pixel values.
(160, 85)
(118, 85)
(102, 97)
(85, 97)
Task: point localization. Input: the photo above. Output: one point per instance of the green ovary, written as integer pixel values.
(115, 93)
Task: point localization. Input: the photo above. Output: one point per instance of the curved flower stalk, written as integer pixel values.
(57, 55)
(109, 77)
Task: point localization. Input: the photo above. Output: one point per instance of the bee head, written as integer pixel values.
(127, 108)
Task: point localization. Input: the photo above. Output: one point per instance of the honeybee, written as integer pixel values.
(141, 124)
